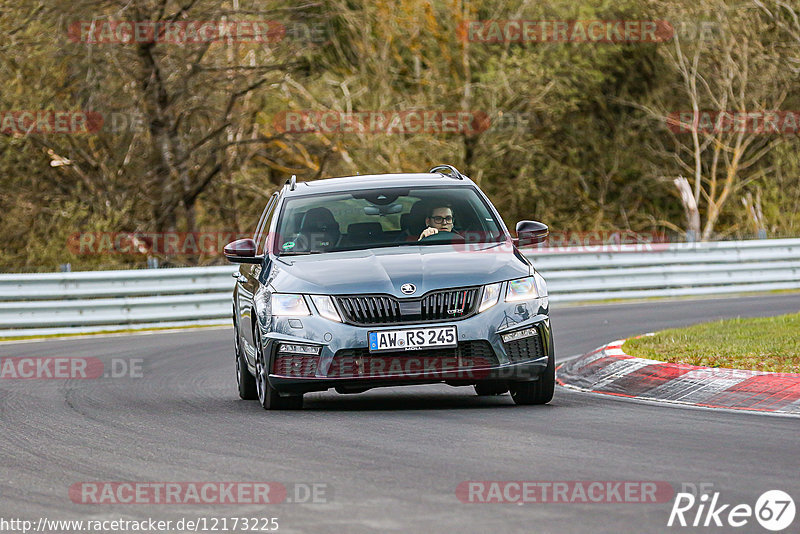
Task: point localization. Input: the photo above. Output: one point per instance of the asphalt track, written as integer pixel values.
(391, 458)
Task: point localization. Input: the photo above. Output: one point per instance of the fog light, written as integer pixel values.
(519, 334)
(294, 348)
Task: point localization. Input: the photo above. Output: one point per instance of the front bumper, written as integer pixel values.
(339, 343)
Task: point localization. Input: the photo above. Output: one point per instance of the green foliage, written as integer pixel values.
(573, 140)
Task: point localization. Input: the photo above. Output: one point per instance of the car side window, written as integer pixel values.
(265, 223)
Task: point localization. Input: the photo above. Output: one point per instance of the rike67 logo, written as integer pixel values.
(774, 510)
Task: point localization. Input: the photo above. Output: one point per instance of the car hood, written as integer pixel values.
(385, 270)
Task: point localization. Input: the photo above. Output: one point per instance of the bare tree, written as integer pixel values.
(721, 80)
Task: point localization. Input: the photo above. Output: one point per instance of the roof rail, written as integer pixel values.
(451, 171)
(292, 182)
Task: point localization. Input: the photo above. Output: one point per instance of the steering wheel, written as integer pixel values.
(444, 237)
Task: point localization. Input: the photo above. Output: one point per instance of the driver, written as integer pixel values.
(439, 219)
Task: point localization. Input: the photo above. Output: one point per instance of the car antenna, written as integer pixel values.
(292, 182)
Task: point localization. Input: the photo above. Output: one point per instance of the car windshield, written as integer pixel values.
(374, 218)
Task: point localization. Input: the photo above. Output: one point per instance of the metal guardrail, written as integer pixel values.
(54, 303)
(667, 270)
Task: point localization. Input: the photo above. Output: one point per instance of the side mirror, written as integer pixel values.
(242, 251)
(531, 233)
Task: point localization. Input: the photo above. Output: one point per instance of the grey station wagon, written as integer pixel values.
(387, 280)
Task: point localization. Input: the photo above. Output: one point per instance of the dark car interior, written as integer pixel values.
(379, 218)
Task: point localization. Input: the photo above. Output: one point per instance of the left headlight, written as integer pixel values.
(529, 288)
(284, 304)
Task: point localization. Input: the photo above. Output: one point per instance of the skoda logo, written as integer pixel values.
(408, 289)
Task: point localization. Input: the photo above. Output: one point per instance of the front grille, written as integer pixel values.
(296, 365)
(526, 348)
(445, 305)
(354, 363)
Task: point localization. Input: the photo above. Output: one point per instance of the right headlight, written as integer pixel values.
(490, 296)
(284, 304)
(540, 284)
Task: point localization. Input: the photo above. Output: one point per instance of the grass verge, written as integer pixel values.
(710, 296)
(761, 344)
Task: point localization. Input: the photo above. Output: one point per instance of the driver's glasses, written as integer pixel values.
(438, 219)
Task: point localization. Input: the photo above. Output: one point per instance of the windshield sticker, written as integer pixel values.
(288, 245)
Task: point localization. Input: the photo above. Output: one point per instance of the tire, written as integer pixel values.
(245, 382)
(489, 389)
(538, 392)
(268, 397)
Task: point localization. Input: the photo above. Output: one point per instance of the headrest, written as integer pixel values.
(319, 220)
(414, 220)
(365, 229)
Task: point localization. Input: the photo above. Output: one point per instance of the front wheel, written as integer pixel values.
(267, 395)
(490, 389)
(538, 392)
(245, 382)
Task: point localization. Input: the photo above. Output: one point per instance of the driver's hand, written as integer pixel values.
(428, 231)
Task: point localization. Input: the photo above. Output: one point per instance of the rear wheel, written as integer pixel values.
(244, 380)
(538, 392)
(267, 395)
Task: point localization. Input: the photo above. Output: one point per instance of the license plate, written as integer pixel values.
(413, 338)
